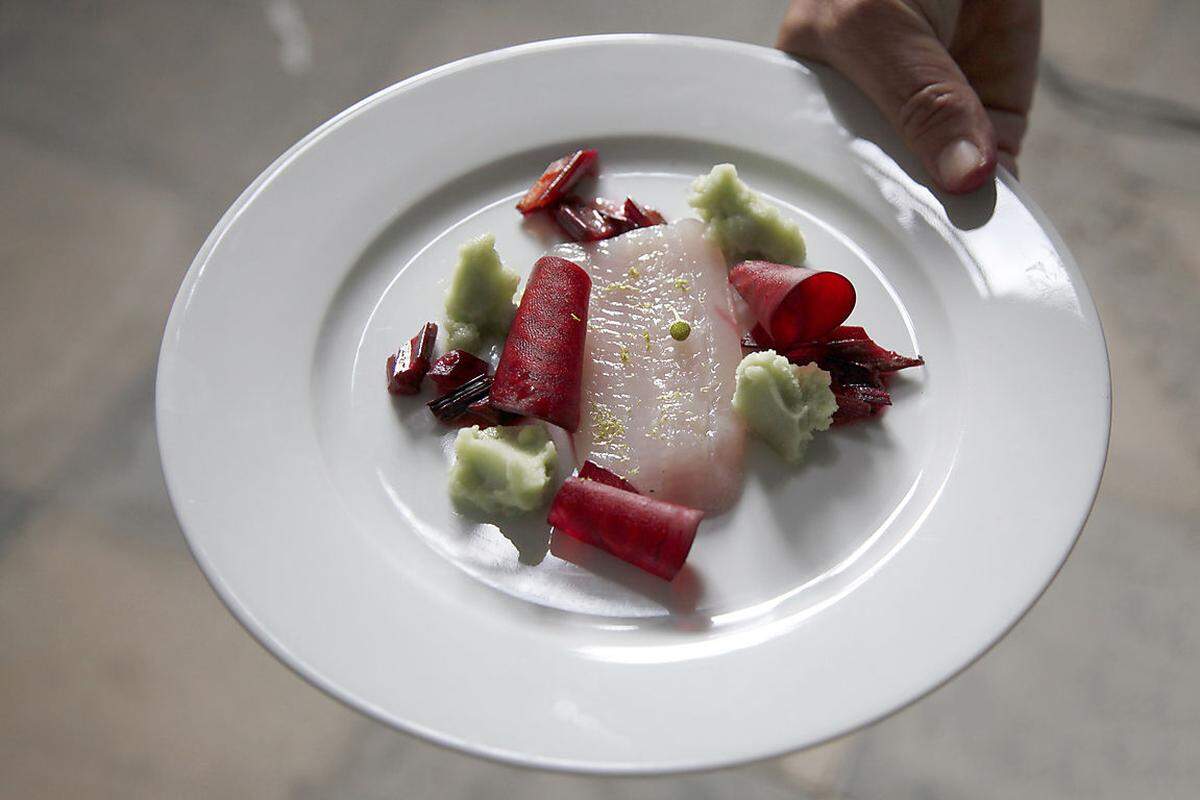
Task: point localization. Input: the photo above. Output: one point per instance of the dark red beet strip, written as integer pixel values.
(557, 180)
(540, 373)
(591, 471)
(612, 212)
(793, 304)
(455, 368)
(845, 416)
(808, 353)
(485, 415)
(857, 402)
(872, 395)
(851, 409)
(451, 406)
(407, 367)
(849, 374)
(850, 350)
(596, 219)
(640, 216)
(858, 367)
(653, 535)
(469, 404)
(589, 220)
(848, 333)
(851, 343)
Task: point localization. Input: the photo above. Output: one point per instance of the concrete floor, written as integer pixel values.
(125, 130)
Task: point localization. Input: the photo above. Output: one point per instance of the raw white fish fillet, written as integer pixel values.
(658, 411)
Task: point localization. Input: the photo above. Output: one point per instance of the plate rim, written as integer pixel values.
(332, 688)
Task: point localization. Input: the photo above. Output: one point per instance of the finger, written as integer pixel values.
(1010, 130)
(996, 46)
(893, 55)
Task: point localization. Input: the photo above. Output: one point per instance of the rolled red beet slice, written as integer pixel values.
(653, 535)
(591, 471)
(540, 373)
(793, 304)
(455, 368)
(557, 180)
(407, 367)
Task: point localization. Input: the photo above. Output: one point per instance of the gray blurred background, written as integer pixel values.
(126, 128)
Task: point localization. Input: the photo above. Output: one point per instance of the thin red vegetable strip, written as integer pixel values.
(653, 535)
(850, 409)
(485, 415)
(596, 219)
(407, 367)
(857, 365)
(469, 404)
(858, 401)
(557, 180)
(450, 407)
(540, 373)
(851, 343)
(872, 395)
(455, 368)
(591, 471)
(640, 216)
(589, 220)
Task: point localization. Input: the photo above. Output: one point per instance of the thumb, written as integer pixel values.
(896, 58)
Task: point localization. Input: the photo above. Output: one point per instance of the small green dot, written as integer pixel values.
(680, 330)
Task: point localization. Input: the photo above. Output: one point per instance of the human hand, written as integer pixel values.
(954, 77)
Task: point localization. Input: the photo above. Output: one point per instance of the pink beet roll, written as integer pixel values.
(653, 535)
(540, 373)
(794, 304)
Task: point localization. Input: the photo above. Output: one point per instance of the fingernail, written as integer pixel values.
(956, 163)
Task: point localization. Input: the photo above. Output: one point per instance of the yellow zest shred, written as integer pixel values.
(605, 424)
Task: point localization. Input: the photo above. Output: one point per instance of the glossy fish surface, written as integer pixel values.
(656, 410)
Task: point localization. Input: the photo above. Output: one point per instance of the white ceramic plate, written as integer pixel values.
(830, 596)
